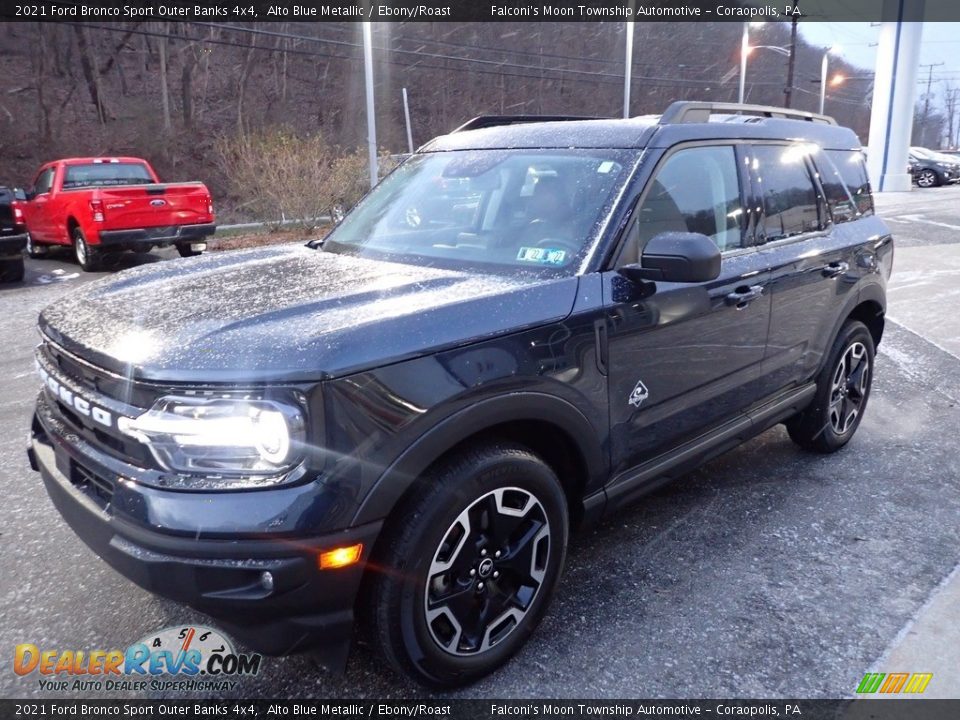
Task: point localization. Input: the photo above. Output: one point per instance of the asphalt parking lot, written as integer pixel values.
(768, 572)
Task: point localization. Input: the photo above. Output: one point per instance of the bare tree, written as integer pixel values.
(89, 73)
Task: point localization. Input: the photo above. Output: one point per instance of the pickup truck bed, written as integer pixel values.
(100, 205)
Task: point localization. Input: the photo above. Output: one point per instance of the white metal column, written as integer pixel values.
(894, 93)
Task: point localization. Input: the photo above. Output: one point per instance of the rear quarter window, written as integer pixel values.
(843, 175)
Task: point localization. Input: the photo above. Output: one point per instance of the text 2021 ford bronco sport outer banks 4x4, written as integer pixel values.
(528, 323)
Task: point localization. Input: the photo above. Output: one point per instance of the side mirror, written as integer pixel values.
(19, 194)
(676, 257)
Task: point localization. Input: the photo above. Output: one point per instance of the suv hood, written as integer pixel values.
(288, 313)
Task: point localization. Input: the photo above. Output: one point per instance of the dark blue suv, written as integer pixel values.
(527, 324)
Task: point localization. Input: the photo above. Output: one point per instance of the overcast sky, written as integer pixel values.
(941, 43)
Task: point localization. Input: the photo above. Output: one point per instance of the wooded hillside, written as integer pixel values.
(168, 90)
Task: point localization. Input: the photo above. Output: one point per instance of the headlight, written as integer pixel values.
(218, 436)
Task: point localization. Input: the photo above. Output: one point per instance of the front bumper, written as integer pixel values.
(12, 245)
(154, 235)
(301, 608)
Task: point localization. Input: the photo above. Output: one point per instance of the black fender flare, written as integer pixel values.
(483, 415)
(867, 292)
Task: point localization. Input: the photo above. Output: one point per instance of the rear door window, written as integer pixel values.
(791, 201)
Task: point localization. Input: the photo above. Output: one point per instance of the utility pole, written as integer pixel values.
(951, 100)
(788, 90)
(926, 102)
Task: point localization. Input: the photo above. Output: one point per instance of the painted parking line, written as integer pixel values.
(921, 219)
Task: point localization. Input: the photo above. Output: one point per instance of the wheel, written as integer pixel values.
(36, 250)
(11, 271)
(466, 571)
(843, 388)
(927, 178)
(185, 251)
(87, 257)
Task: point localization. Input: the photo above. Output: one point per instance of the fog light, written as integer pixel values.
(198, 247)
(266, 581)
(340, 557)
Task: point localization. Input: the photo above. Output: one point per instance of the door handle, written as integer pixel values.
(834, 269)
(744, 295)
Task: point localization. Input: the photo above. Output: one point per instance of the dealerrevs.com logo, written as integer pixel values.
(190, 659)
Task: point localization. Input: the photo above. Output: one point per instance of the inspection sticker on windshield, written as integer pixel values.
(544, 256)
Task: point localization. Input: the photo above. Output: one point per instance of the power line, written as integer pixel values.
(599, 77)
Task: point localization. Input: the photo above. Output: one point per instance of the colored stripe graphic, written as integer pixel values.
(894, 682)
(918, 682)
(870, 682)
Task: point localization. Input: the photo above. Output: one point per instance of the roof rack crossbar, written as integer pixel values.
(485, 121)
(686, 111)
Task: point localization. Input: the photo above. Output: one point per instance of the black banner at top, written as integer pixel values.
(481, 10)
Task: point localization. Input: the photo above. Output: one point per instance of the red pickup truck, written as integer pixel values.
(102, 205)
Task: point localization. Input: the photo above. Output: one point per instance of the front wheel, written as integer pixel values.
(468, 567)
(843, 388)
(87, 257)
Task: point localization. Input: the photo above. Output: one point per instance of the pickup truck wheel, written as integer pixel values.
(11, 271)
(843, 388)
(87, 257)
(36, 250)
(468, 566)
(185, 251)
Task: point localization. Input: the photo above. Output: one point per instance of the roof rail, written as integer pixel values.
(686, 111)
(485, 121)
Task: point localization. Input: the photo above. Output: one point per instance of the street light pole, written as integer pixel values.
(823, 79)
(627, 70)
(744, 49)
(823, 74)
(371, 119)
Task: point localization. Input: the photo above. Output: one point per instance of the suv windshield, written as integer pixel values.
(496, 210)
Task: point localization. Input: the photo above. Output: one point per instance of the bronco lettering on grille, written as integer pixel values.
(70, 398)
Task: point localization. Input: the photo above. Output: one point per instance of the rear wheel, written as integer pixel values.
(185, 250)
(87, 257)
(466, 572)
(843, 388)
(35, 249)
(11, 271)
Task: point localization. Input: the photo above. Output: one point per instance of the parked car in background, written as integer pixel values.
(13, 236)
(930, 169)
(104, 205)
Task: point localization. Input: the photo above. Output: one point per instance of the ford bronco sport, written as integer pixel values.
(524, 326)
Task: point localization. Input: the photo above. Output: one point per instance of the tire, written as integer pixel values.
(437, 602)
(87, 257)
(36, 250)
(843, 389)
(11, 271)
(927, 178)
(185, 251)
